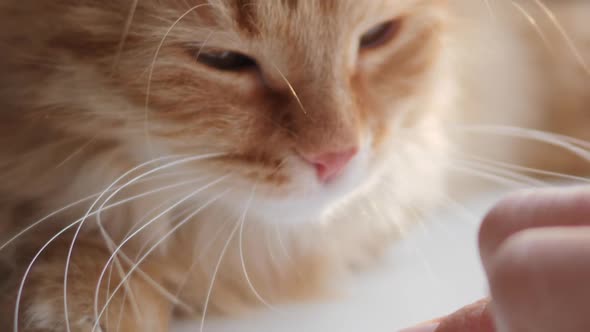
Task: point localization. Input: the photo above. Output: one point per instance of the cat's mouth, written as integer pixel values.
(297, 171)
(295, 189)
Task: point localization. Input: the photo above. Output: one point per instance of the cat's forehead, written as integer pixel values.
(260, 16)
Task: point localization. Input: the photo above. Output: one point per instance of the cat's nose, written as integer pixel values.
(331, 165)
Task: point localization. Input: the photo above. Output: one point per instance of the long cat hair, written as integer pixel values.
(164, 157)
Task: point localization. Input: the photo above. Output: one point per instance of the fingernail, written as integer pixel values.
(423, 328)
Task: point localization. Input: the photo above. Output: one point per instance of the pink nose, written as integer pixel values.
(330, 165)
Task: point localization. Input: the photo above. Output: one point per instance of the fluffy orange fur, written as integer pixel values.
(186, 187)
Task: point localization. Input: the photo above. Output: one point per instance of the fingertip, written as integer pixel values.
(474, 318)
(429, 327)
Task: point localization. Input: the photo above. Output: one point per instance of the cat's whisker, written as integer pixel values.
(174, 297)
(490, 9)
(270, 248)
(143, 227)
(134, 267)
(508, 174)
(72, 205)
(28, 271)
(153, 211)
(242, 221)
(196, 261)
(281, 243)
(557, 140)
(523, 169)
(291, 89)
(418, 216)
(418, 252)
(153, 67)
(49, 242)
(125, 34)
(135, 179)
(111, 244)
(121, 313)
(565, 35)
(100, 224)
(461, 209)
(76, 152)
(487, 176)
(128, 292)
(533, 22)
(214, 275)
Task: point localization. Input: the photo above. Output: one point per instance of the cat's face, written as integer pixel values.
(306, 99)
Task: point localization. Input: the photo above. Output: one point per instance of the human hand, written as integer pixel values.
(535, 248)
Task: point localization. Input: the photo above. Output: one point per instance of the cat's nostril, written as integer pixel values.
(330, 165)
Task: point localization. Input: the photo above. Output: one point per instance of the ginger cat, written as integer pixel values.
(163, 157)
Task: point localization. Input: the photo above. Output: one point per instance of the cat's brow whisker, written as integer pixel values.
(291, 89)
(153, 66)
(172, 231)
(135, 179)
(565, 35)
(125, 34)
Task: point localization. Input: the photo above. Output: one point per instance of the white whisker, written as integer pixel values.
(71, 205)
(561, 141)
(242, 222)
(523, 169)
(154, 247)
(533, 22)
(509, 175)
(570, 43)
(291, 89)
(214, 276)
(484, 175)
(153, 66)
(56, 236)
(81, 224)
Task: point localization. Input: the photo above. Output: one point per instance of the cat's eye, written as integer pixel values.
(226, 60)
(381, 34)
